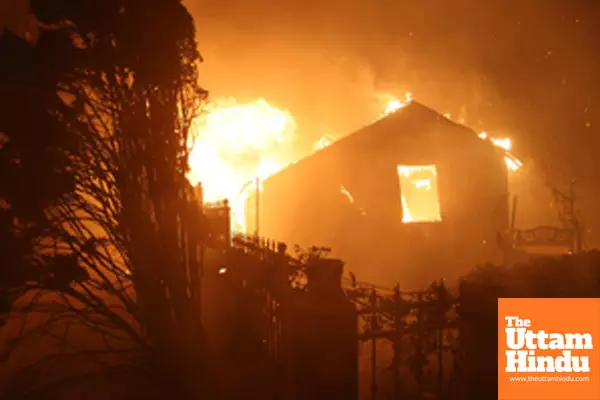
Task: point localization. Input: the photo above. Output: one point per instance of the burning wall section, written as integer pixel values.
(353, 196)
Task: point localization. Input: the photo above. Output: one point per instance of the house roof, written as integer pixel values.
(411, 117)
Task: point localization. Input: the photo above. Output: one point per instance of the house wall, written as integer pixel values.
(304, 204)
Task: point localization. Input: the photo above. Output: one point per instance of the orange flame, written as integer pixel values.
(324, 141)
(393, 104)
(418, 195)
(512, 162)
(234, 144)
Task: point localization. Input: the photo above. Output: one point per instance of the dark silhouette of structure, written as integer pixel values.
(294, 334)
(425, 195)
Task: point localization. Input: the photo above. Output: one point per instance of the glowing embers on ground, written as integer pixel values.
(419, 193)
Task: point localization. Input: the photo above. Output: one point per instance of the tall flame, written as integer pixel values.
(235, 144)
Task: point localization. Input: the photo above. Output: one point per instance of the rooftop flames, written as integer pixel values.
(393, 104)
(324, 141)
(236, 143)
(512, 162)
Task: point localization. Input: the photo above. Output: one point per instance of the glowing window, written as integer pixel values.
(419, 193)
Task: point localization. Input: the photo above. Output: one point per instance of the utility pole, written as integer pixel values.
(200, 194)
(575, 223)
(513, 215)
(257, 211)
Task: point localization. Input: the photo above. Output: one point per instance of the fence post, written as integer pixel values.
(322, 325)
(374, 326)
(420, 333)
(398, 314)
(478, 340)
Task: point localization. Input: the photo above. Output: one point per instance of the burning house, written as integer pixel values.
(410, 198)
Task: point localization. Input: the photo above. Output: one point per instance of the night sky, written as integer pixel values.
(526, 69)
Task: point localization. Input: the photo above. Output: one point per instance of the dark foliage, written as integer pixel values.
(34, 176)
(94, 203)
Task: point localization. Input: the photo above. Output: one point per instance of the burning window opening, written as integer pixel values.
(419, 193)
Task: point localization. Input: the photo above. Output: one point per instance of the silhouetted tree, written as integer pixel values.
(115, 85)
(34, 177)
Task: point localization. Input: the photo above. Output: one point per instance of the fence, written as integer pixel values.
(442, 341)
(305, 319)
(295, 311)
(422, 330)
(310, 322)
